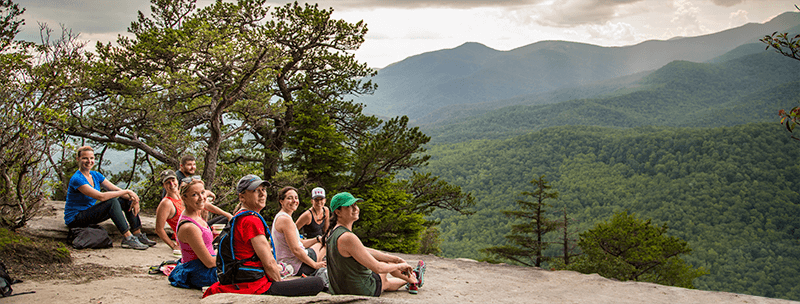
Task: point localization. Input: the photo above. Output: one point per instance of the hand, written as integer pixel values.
(135, 208)
(132, 196)
(319, 265)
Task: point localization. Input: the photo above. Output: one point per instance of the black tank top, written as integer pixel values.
(313, 229)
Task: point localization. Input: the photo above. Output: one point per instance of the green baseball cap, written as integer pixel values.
(343, 199)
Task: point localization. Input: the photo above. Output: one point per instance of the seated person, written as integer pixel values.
(314, 221)
(251, 238)
(121, 206)
(302, 254)
(198, 267)
(358, 270)
(170, 208)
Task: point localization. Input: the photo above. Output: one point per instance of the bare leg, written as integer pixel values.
(391, 284)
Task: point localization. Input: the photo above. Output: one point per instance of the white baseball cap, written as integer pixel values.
(317, 192)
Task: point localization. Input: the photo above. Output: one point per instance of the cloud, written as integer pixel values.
(738, 18)
(610, 31)
(571, 13)
(727, 3)
(415, 4)
(686, 20)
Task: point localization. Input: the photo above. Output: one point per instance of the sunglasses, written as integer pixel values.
(189, 179)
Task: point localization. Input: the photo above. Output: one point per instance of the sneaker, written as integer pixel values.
(420, 272)
(144, 240)
(133, 242)
(412, 288)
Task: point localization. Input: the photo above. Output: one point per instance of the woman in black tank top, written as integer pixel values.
(314, 221)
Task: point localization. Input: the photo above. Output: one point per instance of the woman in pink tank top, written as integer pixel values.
(198, 264)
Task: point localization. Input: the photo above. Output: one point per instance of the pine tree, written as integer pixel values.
(528, 237)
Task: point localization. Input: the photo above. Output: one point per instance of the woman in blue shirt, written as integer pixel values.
(87, 205)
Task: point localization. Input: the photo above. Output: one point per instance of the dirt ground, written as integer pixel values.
(117, 275)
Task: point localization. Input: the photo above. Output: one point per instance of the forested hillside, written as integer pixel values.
(731, 192)
(682, 94)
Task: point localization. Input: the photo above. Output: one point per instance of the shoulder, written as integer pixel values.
(77, 178)
(165, 203)
(283, 220)
(304, 215)
(348, 240)
(250, 222)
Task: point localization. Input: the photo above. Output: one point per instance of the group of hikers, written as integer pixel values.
(262, 260)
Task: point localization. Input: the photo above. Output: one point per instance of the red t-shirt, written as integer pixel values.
(247, 227)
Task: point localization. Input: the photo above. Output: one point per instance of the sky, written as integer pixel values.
(402, 28)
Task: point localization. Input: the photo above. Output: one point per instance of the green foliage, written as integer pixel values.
(36, 79)
(430, 241)
(730, 192)
(528, 237)
(628, 248)
(387, 221)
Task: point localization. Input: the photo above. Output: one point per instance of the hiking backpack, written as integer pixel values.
(230, 269)
(92, 236)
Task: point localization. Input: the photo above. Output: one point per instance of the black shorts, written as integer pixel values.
(378, 285)
(306, 269)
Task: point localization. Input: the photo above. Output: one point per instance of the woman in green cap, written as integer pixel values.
(358, 270)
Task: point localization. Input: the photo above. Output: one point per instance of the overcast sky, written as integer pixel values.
(403, 28)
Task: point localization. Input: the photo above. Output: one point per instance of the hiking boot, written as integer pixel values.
(420, 272)
(144, 240)
(133, 243)
(412, 288)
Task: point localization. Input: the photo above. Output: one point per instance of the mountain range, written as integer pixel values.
(684, 132)
(472, 74)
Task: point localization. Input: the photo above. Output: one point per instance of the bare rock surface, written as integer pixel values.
(446, 281)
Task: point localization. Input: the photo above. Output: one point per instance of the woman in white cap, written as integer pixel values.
(356, 269)
(304, 255)
(314, 221)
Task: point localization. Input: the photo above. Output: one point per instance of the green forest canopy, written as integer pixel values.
(730, 192)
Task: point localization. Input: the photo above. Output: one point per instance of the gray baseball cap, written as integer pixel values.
(250, 182)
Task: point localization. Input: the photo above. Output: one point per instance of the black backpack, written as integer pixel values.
(6, 281)
(230, 269)
(92, 236)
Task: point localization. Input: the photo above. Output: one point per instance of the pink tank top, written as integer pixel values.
(187, 254)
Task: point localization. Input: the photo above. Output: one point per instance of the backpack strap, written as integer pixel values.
(266, 230)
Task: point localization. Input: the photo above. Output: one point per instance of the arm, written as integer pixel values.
(303, 220)
(129, 195)
(104, 196)
(264, 252)
(350, 246)
(163, 212)
(214, 209)
(285, 225)
(191, 234)
(384, 257)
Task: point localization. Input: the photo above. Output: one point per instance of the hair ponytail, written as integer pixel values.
(330, 228)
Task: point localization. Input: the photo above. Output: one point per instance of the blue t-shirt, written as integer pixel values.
(77, 201)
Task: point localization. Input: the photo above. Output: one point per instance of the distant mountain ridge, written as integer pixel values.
(474, 73)
(743, 89)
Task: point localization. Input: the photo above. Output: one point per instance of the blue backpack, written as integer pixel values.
(229, 268)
